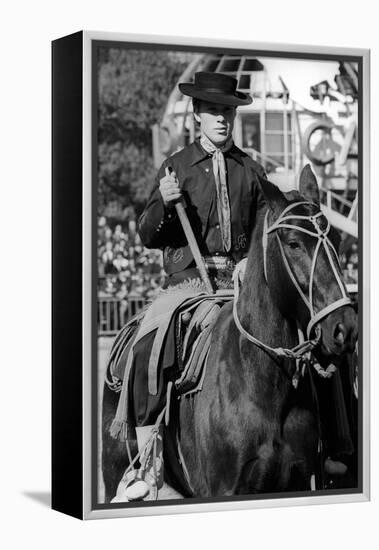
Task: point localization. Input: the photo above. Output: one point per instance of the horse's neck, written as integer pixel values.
(256, 308)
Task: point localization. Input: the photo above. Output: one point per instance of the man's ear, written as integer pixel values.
(308, 186)
(273, 195)
(196, 117)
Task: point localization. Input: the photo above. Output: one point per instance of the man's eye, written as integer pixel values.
(294, 245)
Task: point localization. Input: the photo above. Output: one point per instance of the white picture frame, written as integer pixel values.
(80, 51)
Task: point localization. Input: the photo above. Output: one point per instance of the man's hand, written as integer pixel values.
(169, 188)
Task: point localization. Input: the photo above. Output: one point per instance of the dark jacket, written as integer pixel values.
(159, 227)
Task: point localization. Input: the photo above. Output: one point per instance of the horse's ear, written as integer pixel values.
(273, 195)
(308, 185)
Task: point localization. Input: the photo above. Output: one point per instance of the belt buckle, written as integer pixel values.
(230, 264)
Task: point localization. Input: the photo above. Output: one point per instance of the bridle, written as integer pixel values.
(322, 241)
(321, 234)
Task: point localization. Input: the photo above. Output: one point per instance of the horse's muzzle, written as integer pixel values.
(339, 332)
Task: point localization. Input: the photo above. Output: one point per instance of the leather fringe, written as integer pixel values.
(119, 430)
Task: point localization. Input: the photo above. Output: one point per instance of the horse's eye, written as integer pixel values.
(294, 245)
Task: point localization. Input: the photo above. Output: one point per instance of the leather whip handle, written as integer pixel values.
(192, 242)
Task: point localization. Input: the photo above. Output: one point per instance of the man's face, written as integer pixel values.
(216, 121)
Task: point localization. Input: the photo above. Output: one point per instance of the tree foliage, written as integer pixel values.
(133, 89)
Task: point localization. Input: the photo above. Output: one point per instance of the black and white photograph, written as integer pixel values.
(189, 226)
(227, 191)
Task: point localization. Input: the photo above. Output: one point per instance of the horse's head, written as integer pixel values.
(302, 267)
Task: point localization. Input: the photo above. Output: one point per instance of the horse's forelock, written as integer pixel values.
(293, 197)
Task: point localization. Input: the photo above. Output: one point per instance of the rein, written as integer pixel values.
(322, 241)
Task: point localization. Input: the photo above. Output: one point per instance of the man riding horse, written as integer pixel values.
(220, 187)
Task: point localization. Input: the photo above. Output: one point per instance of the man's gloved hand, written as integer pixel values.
(169, 188)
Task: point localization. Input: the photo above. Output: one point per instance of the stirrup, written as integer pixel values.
(137, 489)
(335, 467)
(133, 487)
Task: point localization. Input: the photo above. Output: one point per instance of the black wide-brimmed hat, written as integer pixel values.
(216, 88)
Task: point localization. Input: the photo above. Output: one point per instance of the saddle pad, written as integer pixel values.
(119, 365)
(196, 363)
(197, 318)
(203, 316)
(120, 350)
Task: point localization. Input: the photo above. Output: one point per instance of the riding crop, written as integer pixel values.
(192, 242)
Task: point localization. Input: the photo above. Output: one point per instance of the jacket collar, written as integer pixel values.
(198, 153)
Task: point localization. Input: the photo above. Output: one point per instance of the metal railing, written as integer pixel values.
(262, 157)
(340, 204)
(113, 313)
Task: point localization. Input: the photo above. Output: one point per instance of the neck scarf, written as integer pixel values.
(219, 171)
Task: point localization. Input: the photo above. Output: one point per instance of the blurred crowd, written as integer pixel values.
(349, 261)
(126, 269)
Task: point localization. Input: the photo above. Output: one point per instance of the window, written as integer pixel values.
(251, 131)
(244, 82)
(230, 64)
(212, 64)
(276, 135)
(265, 133)
(252, 64)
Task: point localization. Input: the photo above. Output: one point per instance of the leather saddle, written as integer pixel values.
(179, 319)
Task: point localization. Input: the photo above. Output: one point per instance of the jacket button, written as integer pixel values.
(207, 169)
(218, 226)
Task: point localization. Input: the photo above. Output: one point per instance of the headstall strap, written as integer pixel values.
(321, 234)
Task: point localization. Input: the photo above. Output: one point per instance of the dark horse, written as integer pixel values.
(249, 430)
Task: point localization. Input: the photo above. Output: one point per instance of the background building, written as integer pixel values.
(303, 111)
